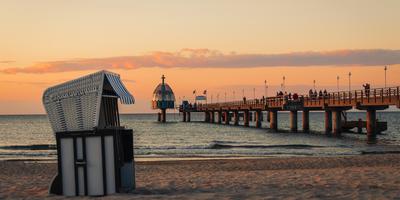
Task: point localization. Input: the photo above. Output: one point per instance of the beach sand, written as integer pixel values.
(347, 177)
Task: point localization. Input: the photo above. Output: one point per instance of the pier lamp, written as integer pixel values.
(349, 81)
(265, 90)
(233, 95)
(385, 74)
(225, 97)
(243, 93)
(217, 97)
(314, 84)
(283, 84)
(254, 93)
(337, 83)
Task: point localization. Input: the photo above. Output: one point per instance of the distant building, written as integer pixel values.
(163, 99)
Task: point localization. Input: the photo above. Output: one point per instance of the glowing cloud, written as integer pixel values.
(205, 58)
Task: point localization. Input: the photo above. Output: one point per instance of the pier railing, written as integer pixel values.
(368, 97)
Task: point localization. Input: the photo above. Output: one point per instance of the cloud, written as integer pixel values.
(27, 82)
(129, 80)
(205, 58)
(6, 61)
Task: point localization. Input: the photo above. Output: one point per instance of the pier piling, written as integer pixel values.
(206, 116)
(246, 116)
(188, 117)
(328, 121)
(212, 117)
(258, 117)
(306, 120)
(184, 116)
(226, 117)
(337, 122)
(273, 123)
(293, 120)
(371, 124)
(219, 117)
(236, 118)
(163, 115)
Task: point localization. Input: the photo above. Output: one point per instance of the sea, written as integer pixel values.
(30, 137)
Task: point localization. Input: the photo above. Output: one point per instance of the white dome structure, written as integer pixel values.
(163, 98)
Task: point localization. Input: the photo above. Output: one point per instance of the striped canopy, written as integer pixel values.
(119, 88)
(75, 105)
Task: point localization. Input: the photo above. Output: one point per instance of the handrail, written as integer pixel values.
(373, 95)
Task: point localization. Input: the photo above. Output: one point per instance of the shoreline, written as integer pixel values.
(358, 176)
(142, 158)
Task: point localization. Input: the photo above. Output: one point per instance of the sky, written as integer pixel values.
(219, 46)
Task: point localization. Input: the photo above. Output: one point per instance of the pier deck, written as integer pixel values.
(333, 103)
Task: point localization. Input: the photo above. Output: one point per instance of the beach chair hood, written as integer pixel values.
(76, 105)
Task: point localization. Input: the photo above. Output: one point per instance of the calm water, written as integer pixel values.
(29, 136)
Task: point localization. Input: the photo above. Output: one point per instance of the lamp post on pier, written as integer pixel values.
(385, 74)
(337, 83)
(349, 81)
(314, 84)
(225, 97)
(283, 84)
(265, 88)
(254, 93)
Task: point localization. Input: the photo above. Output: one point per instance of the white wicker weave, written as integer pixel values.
(75, 105)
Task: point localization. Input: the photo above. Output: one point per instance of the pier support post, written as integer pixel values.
(337, 122)
(273, 123)
(306, 120)
(236, 117)
(188, 117)
(184, 116)
(212, 117)
(328, 121)
(159, 117)
(246, 116)
(206, 116)
(226, 118)
(163, 115)
(258, 116)
(268, 117)
(293, 120)
(219, 117)
(371, 125)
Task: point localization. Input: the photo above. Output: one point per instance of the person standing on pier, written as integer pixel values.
(367, 89)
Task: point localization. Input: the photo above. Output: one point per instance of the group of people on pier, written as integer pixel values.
(313, 94)
(287, 96)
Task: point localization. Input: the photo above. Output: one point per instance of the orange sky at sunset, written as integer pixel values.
(221, 46)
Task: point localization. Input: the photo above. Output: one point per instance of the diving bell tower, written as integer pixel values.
(163, 99)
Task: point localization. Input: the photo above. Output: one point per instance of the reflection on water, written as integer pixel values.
(31, 137)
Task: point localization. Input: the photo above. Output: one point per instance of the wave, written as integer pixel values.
(229, 145)
(289, 146)
(380, 152)
(30, 147)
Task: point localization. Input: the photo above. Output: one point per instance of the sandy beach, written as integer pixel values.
(350, 177)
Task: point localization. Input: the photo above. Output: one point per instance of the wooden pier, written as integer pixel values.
(333, 104)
